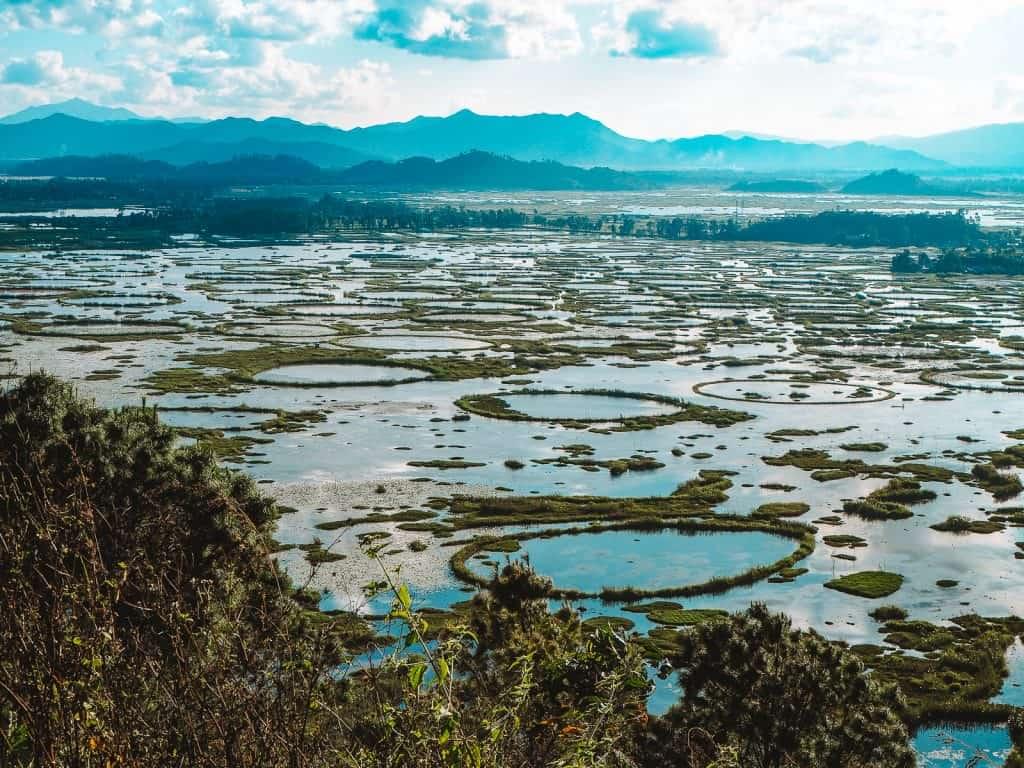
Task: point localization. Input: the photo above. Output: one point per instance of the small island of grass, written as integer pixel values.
(870, 584)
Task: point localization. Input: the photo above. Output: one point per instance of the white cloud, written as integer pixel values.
(46, 70)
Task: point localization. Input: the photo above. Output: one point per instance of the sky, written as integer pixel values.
(809, 69)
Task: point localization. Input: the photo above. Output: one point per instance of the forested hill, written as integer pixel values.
(483, 170)
(472, 170)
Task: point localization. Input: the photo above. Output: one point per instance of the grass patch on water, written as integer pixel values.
(869, 584)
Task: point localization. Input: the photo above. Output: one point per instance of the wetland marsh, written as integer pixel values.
(514, 389)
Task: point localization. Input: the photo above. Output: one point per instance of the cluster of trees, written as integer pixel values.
(992, 260)
(334, 212)
(178, 209)
(867, 228)
(296, 215)
(34, 194)
(146, 624)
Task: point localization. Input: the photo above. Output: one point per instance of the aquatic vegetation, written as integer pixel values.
(680, 617)
(793, 394)
(961, 524)
(782, 509)
(495, 407)
(844, 541)
(964, 666)
(453, 463)
(1002, 485)
(875, 509)
(886, 613)
(870, 584)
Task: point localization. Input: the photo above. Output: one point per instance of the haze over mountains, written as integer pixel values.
(80, 128)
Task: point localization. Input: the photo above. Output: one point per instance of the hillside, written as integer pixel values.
(483, 170)
(894, 182)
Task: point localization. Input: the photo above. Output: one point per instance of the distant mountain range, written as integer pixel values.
(72, 107)
(77, 127)
(987, 146)
(569, 139)
(82, 109)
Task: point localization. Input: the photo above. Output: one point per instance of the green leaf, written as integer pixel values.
(404, 597)
(416, 672)
(442, 670)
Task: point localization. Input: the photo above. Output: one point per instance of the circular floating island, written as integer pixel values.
(271, 330)
(110, 330)
(981, 379)
(879, 351)
(614, 562)
(471, 317)
(584, 407)
(123, 300)
(266, 297)
(792, 392)
(593, 562)
(341, 310)
(338, 374)
(415, 343)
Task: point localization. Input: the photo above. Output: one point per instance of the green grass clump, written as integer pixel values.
(865, 447)
(901, 490)
(404, 516)
(888, 613)
(502, 545)
(686, 617)
(870, 584)
(844, 541)
(446, 464)
(653, 605)
(876, 510)
(782, 509)
(1000, 485)
(961, 524)
(317, 555)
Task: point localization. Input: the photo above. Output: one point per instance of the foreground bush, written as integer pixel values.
(145, 623)
(759, 694)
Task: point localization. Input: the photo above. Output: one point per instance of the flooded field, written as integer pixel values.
(735, 422)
